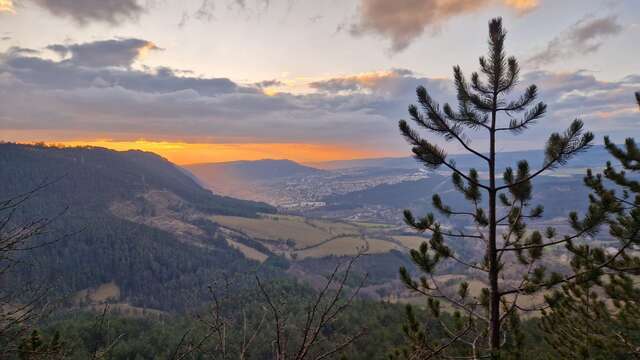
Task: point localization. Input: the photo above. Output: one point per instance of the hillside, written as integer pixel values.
(558, 194)
(255, 170)
(132, 218)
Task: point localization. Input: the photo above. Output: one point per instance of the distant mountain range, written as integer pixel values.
(595, 157)
(558, 195)
(266, 169)
(244, 178)
(289, 184)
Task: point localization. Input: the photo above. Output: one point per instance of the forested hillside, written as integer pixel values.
(94, 242)
(561, 195)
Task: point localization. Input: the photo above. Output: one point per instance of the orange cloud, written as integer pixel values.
(7, 6)
(192, 153)
(143, 50)
(366, 81)
(522, 6)
(403, 21)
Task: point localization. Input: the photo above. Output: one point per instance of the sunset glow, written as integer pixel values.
(189, 153)
(303, 80)
(6, 6)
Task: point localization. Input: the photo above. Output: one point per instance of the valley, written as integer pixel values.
(315, 219)
(154, 242)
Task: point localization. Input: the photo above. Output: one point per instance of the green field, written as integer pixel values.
(299, 238)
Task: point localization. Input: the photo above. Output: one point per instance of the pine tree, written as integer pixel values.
(486, 324)
(34, 347)
(601, 308)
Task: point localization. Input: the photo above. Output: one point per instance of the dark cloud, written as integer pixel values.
(375, 81)
(402, 21)
(20, 51)
(62, 95)
(86, 11)
(632, 79)
(583, 37)
(268, 83)
(43, 73)
(39, 93)
(118, 52)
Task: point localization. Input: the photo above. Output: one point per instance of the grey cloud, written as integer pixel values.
(377, 82)
(47, 74)
(20, 51)
(402, 21)
(268, 83)
(205, 11)
(607, 107)
(86, 11)
(583, 37)
(39, 93)
(632, 79)
(118, 52)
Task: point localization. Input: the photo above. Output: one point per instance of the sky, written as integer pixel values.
(307, 80)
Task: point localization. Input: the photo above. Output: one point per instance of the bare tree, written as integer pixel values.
(21, 306)
(327, 306)
(232, 327)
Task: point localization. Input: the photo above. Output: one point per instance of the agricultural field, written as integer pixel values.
(348, 245)
(410, 241)
(299, 238)
(296, 230)
(108, 297)
(247, 251)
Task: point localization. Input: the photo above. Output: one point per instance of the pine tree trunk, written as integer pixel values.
(494, 304)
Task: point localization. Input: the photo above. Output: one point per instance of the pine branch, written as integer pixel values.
(530, 117)
(603, 265)
(429, 154)
(436, 121)
(560, 149)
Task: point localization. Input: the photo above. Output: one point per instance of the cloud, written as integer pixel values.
(86, 11)
(268, 83)
(205, 11)
(117, 52)
(7, 6)
(26, 66)
(403, 21)
(583, 37)
(38, 93)
(373, 81)
(522, 6)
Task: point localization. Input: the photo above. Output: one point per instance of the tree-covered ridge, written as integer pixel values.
(90, 245)
(98, 176)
